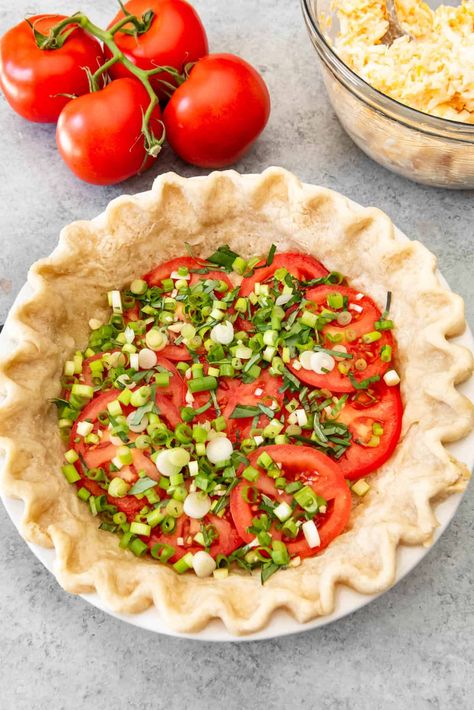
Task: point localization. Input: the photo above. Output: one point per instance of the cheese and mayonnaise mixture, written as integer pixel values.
(431, 70)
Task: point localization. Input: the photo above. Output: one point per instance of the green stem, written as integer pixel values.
(101, 70)
(152, 143)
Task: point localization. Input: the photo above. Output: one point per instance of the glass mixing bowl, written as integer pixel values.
(424, 148)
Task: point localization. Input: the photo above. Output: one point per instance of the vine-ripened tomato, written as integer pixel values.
(99, 135)
(363, 322)
(382, 406)
(36, 80)
(298, 463)
(215, 116)
(175, 38)
(302, 266)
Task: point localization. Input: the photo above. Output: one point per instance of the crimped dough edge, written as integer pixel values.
(248, 212)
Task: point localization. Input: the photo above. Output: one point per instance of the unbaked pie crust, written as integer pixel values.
(248, 212)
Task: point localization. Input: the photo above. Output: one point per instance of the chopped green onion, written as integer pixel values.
(183, 433)
(371, 337)
(139, 287)
(118, 488)
(70, 473)
(251, 474)
(137, 546)
(309, 319)
(241, 305)
(83, 494)
(307, 499)
(386, 353)
(202, 384)
(335, 300)
(183, 564)
(162, 552)
(140, 396)
(265, 460)
(280, 554)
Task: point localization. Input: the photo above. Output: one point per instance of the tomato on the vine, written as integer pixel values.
(175, 37)
(38, 83)
(217, 114)
(99, 135)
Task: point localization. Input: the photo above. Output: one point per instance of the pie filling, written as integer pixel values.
(229, 409)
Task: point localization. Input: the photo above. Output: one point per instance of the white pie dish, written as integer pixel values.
(281, 623)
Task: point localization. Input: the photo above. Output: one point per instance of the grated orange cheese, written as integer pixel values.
(432, 71)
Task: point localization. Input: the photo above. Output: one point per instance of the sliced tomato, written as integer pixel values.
(305, 464)
(302, 266)
(164, 271)
(132, 314)
(170, 399)
(177, 353)
(232, 392)
(227, 541)
(92, 410)
(362, 322)
(86, 366)
(141, 462)
(382, 405)
(338, 382)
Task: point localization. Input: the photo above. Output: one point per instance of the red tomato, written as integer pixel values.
(86, 366)
(387, 410)
(302, 266)
(361, 323)
(164, 271)
(227, 541)
(175, 38)
(232, 392)
(216, 115)
(176, 353)
(34, 80)
(299, 463)
(170, 399)
(99, 135)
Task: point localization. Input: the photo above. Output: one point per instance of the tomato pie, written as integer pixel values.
(251, 378)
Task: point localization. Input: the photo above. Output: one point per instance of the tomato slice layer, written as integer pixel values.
(368, 451)
(310, 467)
(302, 266)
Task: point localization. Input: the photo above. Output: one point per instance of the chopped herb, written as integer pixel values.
(268, 569)
(142, 485)
(242, 411)
(363, 384)
(224, 257)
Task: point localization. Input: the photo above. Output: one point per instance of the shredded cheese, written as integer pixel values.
(432, 70)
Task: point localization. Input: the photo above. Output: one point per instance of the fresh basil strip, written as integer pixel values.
(363, 384)
(142, 485)
(224, 256)
(243, 411)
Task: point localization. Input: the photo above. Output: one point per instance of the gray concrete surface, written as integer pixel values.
(412, 648)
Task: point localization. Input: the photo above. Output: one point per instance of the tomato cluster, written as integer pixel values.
(211, 107)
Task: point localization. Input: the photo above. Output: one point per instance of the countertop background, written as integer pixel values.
(411, 648)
